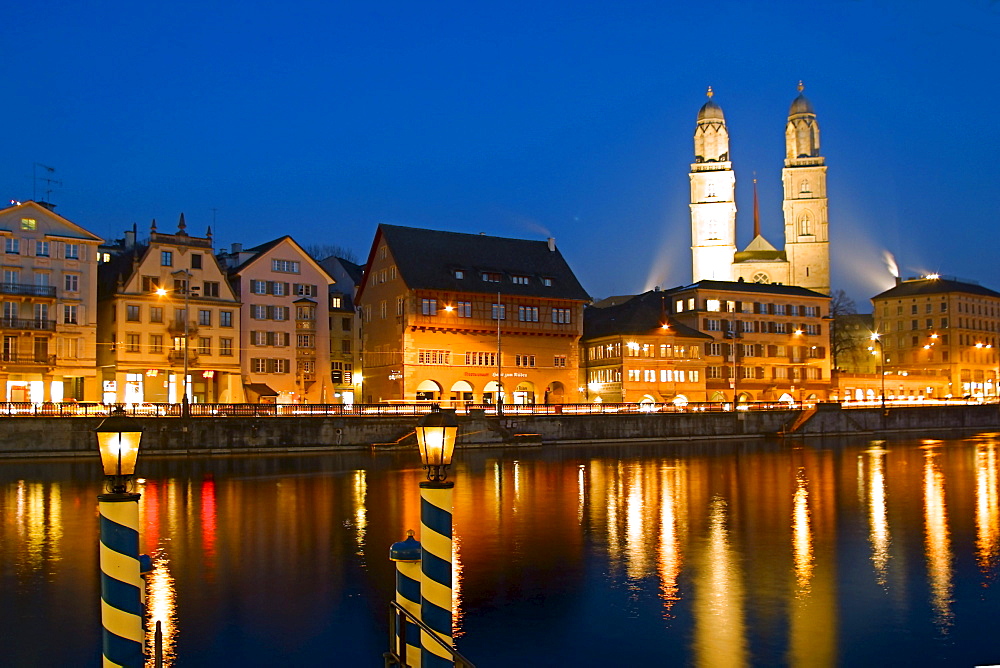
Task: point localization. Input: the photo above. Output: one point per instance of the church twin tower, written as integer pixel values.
(805, 261)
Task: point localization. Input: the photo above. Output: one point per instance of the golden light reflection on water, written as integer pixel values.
(987, 508)
(720, 629)
(878, 519)
(636, 554)
(161, 606)
(802, 538)
(456, 586)
(360, 493)
(938, 541)
(669, 557)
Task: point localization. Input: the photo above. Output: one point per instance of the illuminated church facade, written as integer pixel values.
(805, 259)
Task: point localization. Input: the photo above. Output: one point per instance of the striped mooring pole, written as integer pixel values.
(121, 585)
(406, 554)
(435, 564)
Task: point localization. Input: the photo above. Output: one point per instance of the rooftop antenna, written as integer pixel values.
(49, 181)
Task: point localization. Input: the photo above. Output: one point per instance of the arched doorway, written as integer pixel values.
(524, 393)
(490, 393)
(461, 392)
(555, 393)
(745, 397)
(786, 398)
(717, 396)
(428, 390)
(680, 401)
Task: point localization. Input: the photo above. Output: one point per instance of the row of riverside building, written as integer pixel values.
(446, 317)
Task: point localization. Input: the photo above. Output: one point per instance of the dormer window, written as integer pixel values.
(491, 276)
(519, 280)
(459, 274)
(547, 282)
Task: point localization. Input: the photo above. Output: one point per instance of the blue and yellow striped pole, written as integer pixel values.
(435, 564)
(406, 554)
(121, 586)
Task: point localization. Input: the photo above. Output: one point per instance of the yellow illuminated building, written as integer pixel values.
(446, 315)
(49, 295)
(942, 329)
(163, 305)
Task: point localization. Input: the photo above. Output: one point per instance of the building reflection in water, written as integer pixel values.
(987, 508)
(802, 540)
(672, 524)
(937, 542)
(719, 625)
(878, 518)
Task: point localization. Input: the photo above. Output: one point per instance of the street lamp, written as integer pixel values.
(877, 340)
(118, 439)
(436, 435)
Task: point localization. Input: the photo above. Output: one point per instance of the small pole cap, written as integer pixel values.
(405, 550)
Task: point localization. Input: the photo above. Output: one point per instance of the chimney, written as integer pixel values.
(236, 248)
(130, 237)
(552, 244)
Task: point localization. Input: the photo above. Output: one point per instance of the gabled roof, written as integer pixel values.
(744, 286)
(10, 220)
(264, 248)
(934, 286)
(760, 250)
(643, 314)
(428, 260)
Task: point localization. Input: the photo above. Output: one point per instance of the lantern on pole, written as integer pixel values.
(436, 433)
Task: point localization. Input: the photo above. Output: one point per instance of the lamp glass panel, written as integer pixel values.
(115, 443)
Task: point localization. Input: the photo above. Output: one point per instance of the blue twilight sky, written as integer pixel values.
(522, 119)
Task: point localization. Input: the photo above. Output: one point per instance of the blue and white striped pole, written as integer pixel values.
(121, 585)
(406, 554)
(435, 562)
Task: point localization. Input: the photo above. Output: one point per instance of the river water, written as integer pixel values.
(826, 553)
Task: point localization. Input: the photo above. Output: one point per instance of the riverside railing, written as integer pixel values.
(93, 409)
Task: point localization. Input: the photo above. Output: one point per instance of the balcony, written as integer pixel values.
(32, 324)
(176, 328)
(177, 357)
(14, 359)
(27, 290)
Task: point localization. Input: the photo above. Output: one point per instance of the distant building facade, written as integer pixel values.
(633, 351)
(162, 305)
(769, 342)
(285, 354)
(941, 328)
(49, 295)
(457, 317)
(345, 329)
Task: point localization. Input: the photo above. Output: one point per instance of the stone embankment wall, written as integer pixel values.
(40, 436)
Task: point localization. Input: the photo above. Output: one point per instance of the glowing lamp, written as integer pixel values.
(118, 439)
(436, 434)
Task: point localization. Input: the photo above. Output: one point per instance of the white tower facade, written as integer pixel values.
(807, 241)
(713, 198)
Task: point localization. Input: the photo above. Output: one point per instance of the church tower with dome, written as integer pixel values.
(805, 260)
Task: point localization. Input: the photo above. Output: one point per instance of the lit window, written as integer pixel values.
(29, 224)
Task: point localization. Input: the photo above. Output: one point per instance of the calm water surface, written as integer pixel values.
(823, 554)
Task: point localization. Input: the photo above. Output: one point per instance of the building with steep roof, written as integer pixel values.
(940, 327)
(448, 316)
(805, 259)
(49, 295)
(285, 338)
(635, 351)
(165, 305)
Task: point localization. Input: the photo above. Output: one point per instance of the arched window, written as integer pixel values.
(761, 277)
(804, 188)
(713, 229)
(805, 224)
